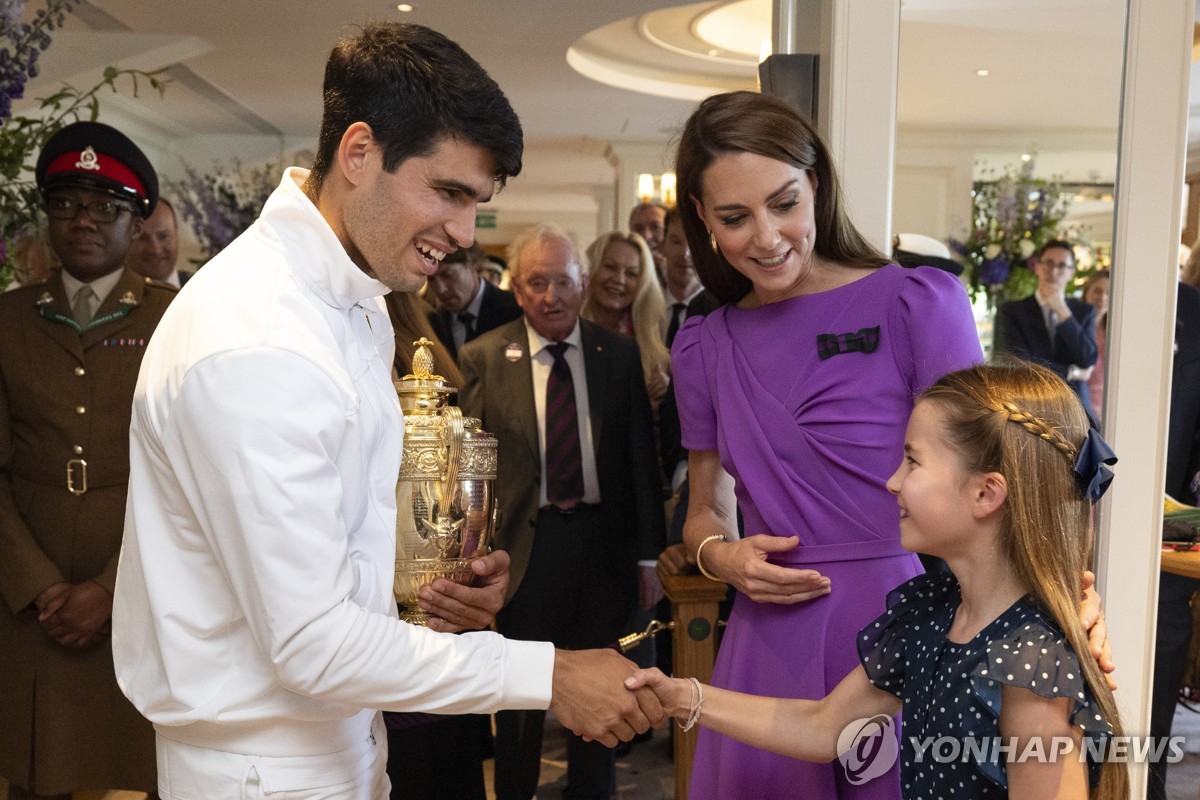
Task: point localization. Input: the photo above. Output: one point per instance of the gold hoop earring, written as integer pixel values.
(712, 241)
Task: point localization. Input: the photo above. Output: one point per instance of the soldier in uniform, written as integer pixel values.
(70, 350)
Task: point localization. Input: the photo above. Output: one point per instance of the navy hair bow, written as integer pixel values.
(1091, 466)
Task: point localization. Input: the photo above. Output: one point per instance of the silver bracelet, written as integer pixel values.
(700, 564)
(694, 714)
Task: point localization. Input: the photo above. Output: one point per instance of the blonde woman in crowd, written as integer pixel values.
(625, 297)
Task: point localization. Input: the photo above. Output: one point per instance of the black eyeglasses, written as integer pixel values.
(103, 211)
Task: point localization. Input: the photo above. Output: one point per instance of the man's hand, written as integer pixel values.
(457, 608)
(650, 589)
(589, 697)
(673, 560)
(82, 618)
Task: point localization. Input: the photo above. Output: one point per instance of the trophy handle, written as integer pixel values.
(452, 434)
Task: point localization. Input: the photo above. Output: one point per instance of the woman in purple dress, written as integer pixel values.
(793, 398)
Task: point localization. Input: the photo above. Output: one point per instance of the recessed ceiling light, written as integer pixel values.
(405, 7)
(714, 52)
(983, 73)
(1026, 157)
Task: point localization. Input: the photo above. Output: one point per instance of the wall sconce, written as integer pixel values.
(666, 188)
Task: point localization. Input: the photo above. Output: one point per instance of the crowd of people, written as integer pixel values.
(197, 474)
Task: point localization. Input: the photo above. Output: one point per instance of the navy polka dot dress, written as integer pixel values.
(953, 690)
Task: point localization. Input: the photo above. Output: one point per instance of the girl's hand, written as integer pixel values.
(675, 694)
(1092, 617)
(743, 563)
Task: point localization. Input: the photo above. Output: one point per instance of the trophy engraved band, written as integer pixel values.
(445, 496)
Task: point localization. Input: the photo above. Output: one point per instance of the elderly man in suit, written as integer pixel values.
(1050, 328)
(70, 349)
(577, 484)
(470, 305)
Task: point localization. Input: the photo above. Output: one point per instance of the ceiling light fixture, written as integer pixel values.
(983, 73)
(405, 7)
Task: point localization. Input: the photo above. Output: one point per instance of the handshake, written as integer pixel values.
(591, 698)
(588, 693)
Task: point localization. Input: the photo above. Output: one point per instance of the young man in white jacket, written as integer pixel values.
(253, 619)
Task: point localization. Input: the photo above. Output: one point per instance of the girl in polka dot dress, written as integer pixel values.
(999, 474)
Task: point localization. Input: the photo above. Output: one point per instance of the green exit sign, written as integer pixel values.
(485, 219)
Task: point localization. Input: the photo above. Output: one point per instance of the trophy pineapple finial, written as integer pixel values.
(422, 363)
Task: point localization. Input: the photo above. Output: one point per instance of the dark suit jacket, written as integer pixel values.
(1183, 431)
(496, 308)
(500, 393)
(1021, 332)
(669, 434)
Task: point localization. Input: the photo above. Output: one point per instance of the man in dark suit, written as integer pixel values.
(1050, 328)
(1174, 632)
(70, 350)
(577, 483)
(470, 306)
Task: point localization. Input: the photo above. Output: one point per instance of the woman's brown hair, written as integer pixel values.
(746, 122)
(1024, 422)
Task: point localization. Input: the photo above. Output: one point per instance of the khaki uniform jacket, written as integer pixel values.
(65, 399)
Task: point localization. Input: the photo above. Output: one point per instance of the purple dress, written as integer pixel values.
(806, 401)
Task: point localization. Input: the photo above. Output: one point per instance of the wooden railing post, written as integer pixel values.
(694, 606)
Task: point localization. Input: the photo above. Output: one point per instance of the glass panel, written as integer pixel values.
(1007, 122)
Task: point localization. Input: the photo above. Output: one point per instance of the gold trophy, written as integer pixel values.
(445, 498)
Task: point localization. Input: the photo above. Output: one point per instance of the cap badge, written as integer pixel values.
(128, 299)
(88, 159)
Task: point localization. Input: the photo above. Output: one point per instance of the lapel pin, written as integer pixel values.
(45, 300)
(513, 352)
(128, 299)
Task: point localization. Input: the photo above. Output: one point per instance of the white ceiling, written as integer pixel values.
(246, 74)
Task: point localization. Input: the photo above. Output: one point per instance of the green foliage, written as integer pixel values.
(1012, 215)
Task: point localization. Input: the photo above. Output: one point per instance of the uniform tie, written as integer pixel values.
(564, 456)
(677, 312)
(81, 305)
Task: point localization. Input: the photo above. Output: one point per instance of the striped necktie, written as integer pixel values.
(564, 456)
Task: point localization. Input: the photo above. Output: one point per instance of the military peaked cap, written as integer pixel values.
(97, 156)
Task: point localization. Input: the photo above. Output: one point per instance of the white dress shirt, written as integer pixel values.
(672, 301)
(253, 610)
(540, 361)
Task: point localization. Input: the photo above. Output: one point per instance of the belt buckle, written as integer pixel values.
(83, 482)
(574, 508)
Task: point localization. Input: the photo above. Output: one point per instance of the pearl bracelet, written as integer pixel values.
(694, 714)
(699, 549)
